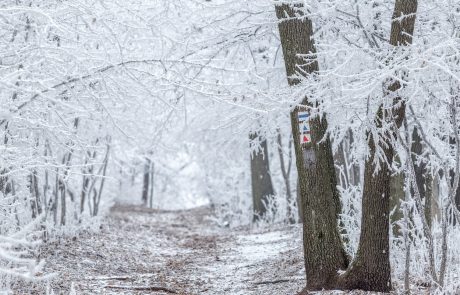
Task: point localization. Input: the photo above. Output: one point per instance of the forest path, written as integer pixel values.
(146, 251)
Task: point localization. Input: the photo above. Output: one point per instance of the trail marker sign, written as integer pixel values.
(304, 127)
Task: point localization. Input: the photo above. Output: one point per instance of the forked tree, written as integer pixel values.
(323, 248)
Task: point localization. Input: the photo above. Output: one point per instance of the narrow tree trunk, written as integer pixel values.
(152, 175)
(261, 181)
(286, 171)
(63, 202)
(56, 198)
(323, 249)
(84, 192)
(145, 185)
(421, 174)
(370, 269)
(406, 236)
(33, 202)
(101, 187)
(88, 173)
(429, 199)
(35, 194)
(457, 199)
(452, 220)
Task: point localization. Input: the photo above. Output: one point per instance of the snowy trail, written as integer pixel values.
(144, 251)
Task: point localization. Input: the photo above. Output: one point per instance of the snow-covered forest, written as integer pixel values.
(229, 147)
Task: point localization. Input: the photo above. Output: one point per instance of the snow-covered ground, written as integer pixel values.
(144, 251)
(148, 251)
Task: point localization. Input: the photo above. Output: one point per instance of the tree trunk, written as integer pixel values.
(62, 189)
(286, 171)
(35, 194)
(452, 220)
(262, 187)
(397, 194)
(370, 269)
(152, 175)
(145, 185)
(421, 174)
(323, 249)
(56, 198)
(97, 201)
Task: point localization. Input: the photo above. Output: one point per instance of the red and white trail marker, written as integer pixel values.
(304, 127)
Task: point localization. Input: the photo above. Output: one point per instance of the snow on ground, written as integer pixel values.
(145, 251)
(148, 251)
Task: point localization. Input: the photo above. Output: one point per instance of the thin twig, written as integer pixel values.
(142, 288)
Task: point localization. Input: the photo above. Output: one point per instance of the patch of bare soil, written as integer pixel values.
(145, 251)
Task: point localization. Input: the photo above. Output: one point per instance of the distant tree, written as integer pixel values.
(146, 182)
(261, 181)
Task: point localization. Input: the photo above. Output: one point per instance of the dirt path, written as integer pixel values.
(142, 251)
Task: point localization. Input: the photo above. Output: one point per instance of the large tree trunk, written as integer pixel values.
(323, 248)
(262, 187)
(370, 269)
(397, 194)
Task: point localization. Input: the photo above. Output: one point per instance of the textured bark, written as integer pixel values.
(35, 193)
(457, 199)
(323, 249)
(396, 195)
(429, 199)
(261, 181)
(420, 168)
(299, 201)
(370, 269)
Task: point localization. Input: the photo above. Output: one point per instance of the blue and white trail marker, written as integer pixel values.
(304, 127)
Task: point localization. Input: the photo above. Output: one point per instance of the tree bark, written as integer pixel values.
(145, 185)
(35, 194)
(262, 187)
(397, 194)
(323, 248)
(370, 269)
